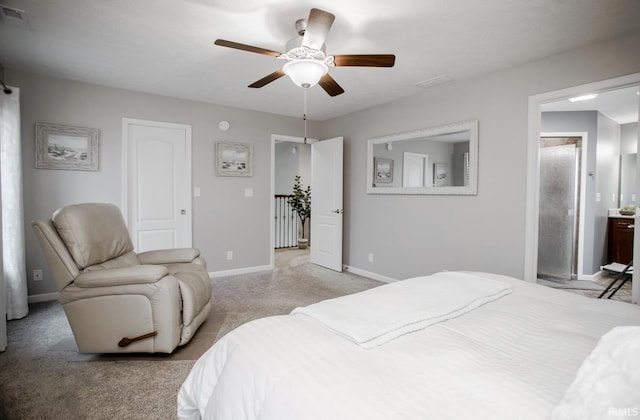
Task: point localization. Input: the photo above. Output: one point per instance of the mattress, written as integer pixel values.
(511, 357)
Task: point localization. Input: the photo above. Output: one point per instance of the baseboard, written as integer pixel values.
(369, 274)
(43, 297)
(236, 271)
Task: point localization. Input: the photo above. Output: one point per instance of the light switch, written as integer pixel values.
(248, 192)
(196, 192)
(598, 197)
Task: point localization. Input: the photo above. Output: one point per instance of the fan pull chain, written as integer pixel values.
(304, 115)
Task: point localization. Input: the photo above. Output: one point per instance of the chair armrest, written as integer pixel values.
(169, 256)
(137, 274)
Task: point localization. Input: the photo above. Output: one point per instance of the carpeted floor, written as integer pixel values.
(42, 376)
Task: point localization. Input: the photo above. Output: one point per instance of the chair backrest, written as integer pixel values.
(80, 236)
(60, 262)
(92, 232)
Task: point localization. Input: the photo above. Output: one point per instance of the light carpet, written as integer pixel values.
(42, 376)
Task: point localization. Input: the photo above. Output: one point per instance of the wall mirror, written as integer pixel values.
(627, 194)
(435, 160)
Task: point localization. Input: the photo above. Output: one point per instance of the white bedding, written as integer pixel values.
(376, 316)
(510, 358)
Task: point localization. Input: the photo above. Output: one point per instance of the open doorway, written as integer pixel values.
(291, 157)
(603, 184)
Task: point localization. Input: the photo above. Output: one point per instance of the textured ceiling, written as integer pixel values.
(166, 46)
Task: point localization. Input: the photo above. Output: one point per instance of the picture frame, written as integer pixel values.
(441, 175)
(234, 159)
(383, 173)
(66, 147)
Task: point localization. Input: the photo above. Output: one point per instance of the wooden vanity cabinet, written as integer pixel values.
(620, 239)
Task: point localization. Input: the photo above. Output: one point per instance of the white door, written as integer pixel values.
(326, 203)
(157, 184)
(414, 170)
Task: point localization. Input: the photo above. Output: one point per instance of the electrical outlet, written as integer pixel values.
(229, 255)
(370, 257)
(37, 275)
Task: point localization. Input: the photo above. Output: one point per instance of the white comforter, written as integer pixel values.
(513, 357)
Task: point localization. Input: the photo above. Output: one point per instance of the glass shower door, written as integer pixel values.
(557, 216)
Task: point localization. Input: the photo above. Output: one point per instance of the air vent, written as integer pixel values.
(12, 15)
(433, 81)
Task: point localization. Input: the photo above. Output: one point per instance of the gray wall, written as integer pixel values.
(223, 219)
(288, 165)
(409, 235)
(629, 138)
(417, 235)
(628, 162)
(607, 177)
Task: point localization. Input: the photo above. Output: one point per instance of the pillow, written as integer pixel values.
(607, 385)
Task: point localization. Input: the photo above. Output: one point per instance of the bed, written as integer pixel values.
(451, 345)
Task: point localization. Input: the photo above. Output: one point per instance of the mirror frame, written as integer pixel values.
(471, 189)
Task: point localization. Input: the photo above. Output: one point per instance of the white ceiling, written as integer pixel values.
(621, 105)
(166, 46)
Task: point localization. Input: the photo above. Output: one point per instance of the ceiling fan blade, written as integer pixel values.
(330, 86)
(318, 25)
(365, 60)
(244, 47)
(267, 79)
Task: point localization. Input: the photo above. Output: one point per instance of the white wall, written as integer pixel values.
(223, 219)
(415, 235)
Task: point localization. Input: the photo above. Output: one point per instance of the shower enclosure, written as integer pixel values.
(559, 207)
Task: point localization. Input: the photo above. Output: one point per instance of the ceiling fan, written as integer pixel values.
(307, 63)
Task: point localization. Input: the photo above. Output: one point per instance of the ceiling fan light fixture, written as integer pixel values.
(305, 73)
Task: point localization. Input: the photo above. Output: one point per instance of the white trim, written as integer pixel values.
(583, 189)
(368, 274)
(188, 164)
(274, 139)
(533, 167)
(43, 297)
(237, 271)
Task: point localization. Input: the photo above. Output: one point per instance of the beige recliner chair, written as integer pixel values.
(116, 300)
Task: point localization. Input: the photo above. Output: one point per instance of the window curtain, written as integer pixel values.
(13, 244)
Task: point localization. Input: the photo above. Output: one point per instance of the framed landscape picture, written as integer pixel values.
(441, 175)
(383, 171)
(65, 147)
(234, 159)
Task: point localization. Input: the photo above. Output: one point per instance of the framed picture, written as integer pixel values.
(440, 175)
(383, 171)
(64, 147)
(234, 159)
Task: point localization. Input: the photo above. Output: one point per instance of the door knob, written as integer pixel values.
(337, 211)
(183, 212)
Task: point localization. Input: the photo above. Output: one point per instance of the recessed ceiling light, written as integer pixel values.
(584, 97)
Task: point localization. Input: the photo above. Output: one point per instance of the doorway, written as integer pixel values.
(290, 157)
(326, 181)
(536, 102)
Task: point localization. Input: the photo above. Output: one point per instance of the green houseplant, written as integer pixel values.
(300, 202)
